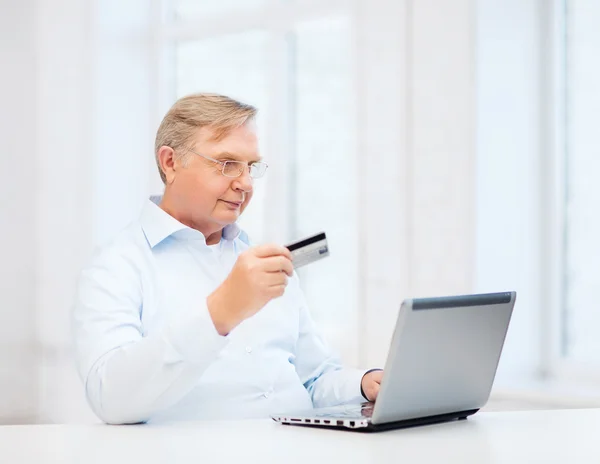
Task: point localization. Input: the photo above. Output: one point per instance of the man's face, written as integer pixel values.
(204, 196)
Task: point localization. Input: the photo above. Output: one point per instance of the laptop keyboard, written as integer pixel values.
(355, 410)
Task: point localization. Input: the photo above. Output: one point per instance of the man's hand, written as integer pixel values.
(259, 275)
(371, 383)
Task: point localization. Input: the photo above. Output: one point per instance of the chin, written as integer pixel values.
(225, 220)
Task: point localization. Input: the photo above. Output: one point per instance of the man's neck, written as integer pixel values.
(212, 232)
(214, 238)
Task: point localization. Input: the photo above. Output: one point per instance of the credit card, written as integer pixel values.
(308, 250)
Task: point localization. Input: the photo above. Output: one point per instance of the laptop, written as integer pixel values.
(440, 367)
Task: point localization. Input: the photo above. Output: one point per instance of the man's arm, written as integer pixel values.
(128, 376)
(318, 368)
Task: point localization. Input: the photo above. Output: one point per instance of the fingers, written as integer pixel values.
(375, 387)
(271, 249)
(276, 291)
(274, 258)
(276, 279)
(287, 267)
(377, 376)
(372, 384)
(277, 264)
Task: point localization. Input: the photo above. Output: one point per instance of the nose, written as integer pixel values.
(244, 182)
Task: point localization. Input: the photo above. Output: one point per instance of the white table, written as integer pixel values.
(562, 436)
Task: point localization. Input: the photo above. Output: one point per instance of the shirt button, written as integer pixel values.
(266, 394)
(248, 349)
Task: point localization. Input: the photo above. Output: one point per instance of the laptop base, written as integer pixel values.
(460, 415)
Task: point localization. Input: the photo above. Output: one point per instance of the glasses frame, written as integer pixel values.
(223, 164)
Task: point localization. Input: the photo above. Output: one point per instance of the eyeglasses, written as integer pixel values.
(236, 168)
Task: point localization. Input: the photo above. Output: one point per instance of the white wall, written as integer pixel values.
(418, 188)
(95, 127)
(18, 273)
(63, 191)
(72, 103)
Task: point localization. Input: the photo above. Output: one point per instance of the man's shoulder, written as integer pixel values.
(116, 269)
(128, 246)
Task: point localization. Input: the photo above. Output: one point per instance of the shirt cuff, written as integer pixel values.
(194, 337)
(362, 392)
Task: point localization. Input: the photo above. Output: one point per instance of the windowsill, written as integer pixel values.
(544, 394)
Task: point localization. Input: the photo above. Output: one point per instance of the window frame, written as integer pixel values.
(556, 364)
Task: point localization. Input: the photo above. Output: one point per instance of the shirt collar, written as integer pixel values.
(157, 225)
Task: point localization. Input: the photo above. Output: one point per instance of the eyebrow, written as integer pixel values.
(234, 157)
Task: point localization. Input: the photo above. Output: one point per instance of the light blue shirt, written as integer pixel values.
(147, 349)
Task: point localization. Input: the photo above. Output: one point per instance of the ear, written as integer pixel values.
(168, 164)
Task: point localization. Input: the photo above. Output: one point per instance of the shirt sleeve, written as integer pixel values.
(128, 376)
(319, 369)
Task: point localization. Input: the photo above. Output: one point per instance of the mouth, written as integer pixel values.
(233, 204)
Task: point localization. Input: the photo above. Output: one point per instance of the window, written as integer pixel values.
(197, 9)
(294, 63)
(325, 167)
(581, 277)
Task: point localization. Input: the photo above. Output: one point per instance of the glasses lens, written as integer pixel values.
(233, 168)
(258, 170)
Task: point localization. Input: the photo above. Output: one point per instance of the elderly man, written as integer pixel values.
(179, 317)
